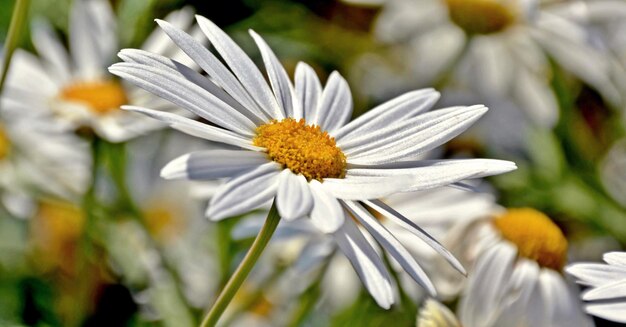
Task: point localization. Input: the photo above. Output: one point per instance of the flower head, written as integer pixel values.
(518, 256)
(294, 145)
(74, 84)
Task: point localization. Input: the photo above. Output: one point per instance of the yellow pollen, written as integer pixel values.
(305, 149)
(535, 235)
(5, 145)
(102, 97)
(481, 16)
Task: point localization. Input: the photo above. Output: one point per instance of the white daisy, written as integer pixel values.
(173, 217)
(607, 294)
(517, 273)
(38, 156)
(318, 256)
(500, 48)
(76, 85)
(296, 147)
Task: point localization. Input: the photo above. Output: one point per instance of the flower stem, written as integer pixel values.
(18, 20)
(235, 281)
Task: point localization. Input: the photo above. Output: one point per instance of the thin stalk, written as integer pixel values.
(246, 265)
(18, 19)
(87, 247)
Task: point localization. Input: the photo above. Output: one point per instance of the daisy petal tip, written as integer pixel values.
(130, 108)
(212, 213)
(176, 168)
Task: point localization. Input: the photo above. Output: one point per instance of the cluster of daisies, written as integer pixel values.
(364, 204)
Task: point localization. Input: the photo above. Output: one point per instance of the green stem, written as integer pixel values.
(87, 246)
(235, 281)
(18, 19)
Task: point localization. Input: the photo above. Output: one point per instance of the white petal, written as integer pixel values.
(613, 311)
(92, 37)
(435, 173)
(327, 214)
(391, 145)
(335, 106)
(563, 308)
(308, 90)
(365, 187)
(594, 274)
(186, 94)
(522, 284)
(50, 48)
(607, 291)
(615, 258)
(158, 42)
(196, 128)
(213, 67)
(212, 164)
(409, 225)
(392, 245)
(293, 198)
(537, 98)
(283, 89)
(243, 67)
(245, 192)
(487, 283)
(177, 68)
(366, 263)
(364, 141)
(405, 106)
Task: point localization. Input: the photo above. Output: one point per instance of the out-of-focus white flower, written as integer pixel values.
(517, 273)
(435, 314)
(501, 48)
(607, 282)
(38, 156)
(436, 211)
(173, 217)
(76, 85)
(295, 145)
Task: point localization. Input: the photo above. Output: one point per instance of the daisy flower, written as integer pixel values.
(517, 274)
(38, 156)
(317, 254)
(76, 86)
(500, 48)
(606, 296)
(293, 144)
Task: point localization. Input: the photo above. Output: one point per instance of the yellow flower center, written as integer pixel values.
(162, 222)
(481, 16)
(535, 235)
(305, 149)
(102, 97)
(55, 229)
(5, 145)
